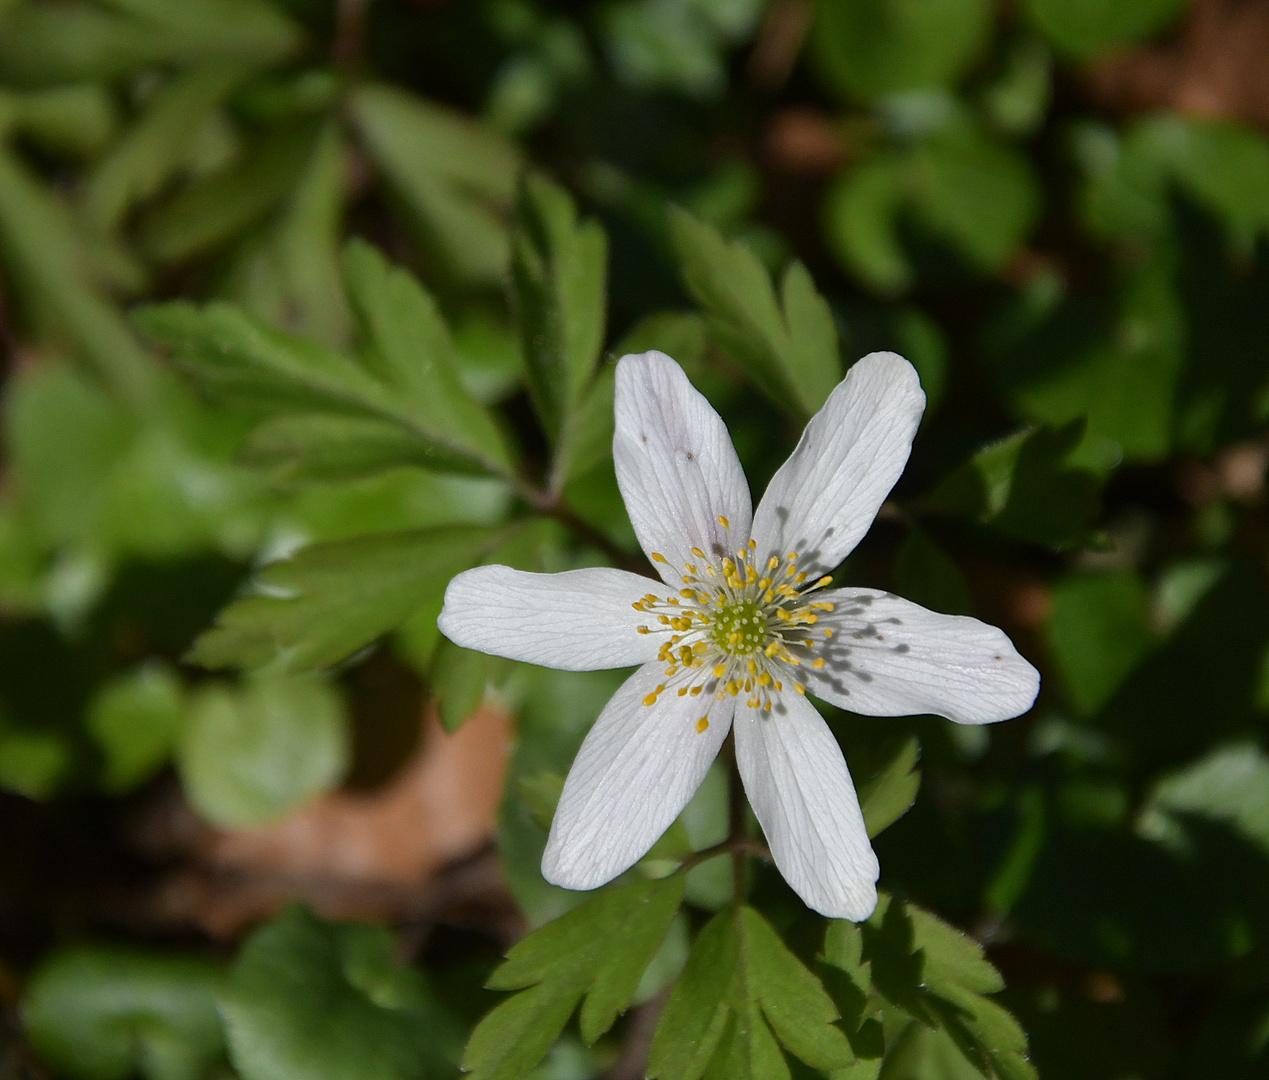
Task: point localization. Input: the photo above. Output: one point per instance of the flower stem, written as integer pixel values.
(552, 504)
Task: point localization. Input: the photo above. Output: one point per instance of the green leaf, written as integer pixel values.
(213, 209)
(1230, 785)
(974, 191)
(924, 574)
(869, 48)
(109, 1014)
(331, 599)
(32, 763)
(136, 720)
(309, 1000)
(862, 216)
(456, 179)
(741, 990)
(156, 146)
(1083, 28)
(1026, 486)
(560, 269)
(47, 44)
(458, 680)
(250, 755)
(236, 356)
(892, 790)
(53, 272)
(290, 277)
(1098, 629)
(787, 346)
(78, 119)
(598, 951)
(409, 347)
(938, 975)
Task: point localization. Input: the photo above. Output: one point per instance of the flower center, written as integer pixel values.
(739, 629)
(736, 627)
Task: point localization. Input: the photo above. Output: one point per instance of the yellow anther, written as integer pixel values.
(702, 724)
(733, 687)
(720, 670)
(651, 699)
(828, 631)
(827, 579)
(764, 583)
(658, 557)
(818, 663)
(753, 667)
(800, 688)
(753, 544)
(696, 690)
(764, 679)
(792, 556)
(642, 630)
(664, 620)
(801, 578)
(687, 594)
(698, 553)
(682, 691)
(772, 563)
(724, 522)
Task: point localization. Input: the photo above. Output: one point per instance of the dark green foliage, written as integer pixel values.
(598, 951)
(307, 306)
(742, 996)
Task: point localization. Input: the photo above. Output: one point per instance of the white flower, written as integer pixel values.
(741, 629)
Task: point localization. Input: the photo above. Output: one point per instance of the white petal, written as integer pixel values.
(891, 657)
(800, 790)
(824, 498)
(581, 620)
(676, 467)
(637, 769)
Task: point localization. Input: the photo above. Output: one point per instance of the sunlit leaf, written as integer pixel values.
(598, 951)
(788, 346)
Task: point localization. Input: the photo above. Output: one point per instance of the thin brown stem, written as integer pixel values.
(553, 505)
(350, 32)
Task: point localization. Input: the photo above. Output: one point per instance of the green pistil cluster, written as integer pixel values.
(739, 629)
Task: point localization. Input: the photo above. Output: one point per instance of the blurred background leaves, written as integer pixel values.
(305, 306)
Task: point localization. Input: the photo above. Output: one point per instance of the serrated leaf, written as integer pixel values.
(795, 365)
(107, 1014)
(408, 346)
(456, 179)
(889, 794)
(599, 951)
(314, 1001)
(742, 984)
(332, 599)
(938, 976)
(248, 756)
(1026, 485)
(154, 148)
(241, 358)
(560, 269)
